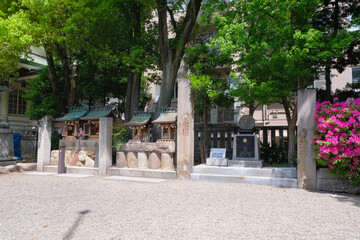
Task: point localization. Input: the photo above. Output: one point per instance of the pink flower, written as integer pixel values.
(352, 120)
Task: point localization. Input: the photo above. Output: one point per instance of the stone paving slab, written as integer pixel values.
(40, 173)
(70, 175)
(136, 179)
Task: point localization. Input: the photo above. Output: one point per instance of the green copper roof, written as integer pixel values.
(75, 113)
(98, 112)
(139, 119)
(167, 115)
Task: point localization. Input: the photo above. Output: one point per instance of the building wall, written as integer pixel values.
(19, 123)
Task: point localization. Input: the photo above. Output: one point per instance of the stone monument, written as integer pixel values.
(217, 157)
(6, 146)
(246, 151)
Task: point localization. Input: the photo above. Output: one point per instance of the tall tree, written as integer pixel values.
(334, 19)
(210, 88)
(98, 43)
(273, 45)
(172, 49)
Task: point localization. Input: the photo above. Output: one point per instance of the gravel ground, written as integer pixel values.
(49, 207)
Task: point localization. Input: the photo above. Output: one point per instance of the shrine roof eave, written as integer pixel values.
(75, 113)
(139, 119)
(98, 112)
(166, 118)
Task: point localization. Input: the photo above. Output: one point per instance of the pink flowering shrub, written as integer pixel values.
(337, 137)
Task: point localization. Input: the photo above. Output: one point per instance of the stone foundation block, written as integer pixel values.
(74, 159)
(142, 160)
(54, 158)
(167, 161)
(216, 161)
(89, 162)
(132, 161)
(121, 160)
(154, 161)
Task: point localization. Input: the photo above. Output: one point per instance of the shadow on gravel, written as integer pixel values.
(345, 198)
(70, 233)
(354, 199)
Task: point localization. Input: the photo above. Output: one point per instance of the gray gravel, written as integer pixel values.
(48, 207)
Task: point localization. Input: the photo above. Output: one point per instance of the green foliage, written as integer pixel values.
(272, 154)
(272, 44)
(206, 82)
(42, 102)
(55, 138)
(107, 39)
(120, 135)
(351, 90)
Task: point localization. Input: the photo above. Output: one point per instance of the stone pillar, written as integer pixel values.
(305, 127)
(44, 144)
(4, 104)
(105, 144)
(185, 130)
(6, 143)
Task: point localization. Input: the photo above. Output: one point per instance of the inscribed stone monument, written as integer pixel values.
(217, 157)
(246, 145)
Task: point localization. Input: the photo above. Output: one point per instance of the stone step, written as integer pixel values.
(242, 171)
(142, 173)
(268, 181)
(73, 170)
(136, 179)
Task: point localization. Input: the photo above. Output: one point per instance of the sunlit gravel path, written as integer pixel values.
(49, 207)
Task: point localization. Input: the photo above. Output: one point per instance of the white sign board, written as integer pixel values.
(217, 152)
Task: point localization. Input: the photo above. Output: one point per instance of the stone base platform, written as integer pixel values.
(73, 170)
(113, 171)
(245, 163)
(330, 183)
(217, 162)
(82, 170)
(6, 161)
(279, 177)
(142, 173)
(51, 169)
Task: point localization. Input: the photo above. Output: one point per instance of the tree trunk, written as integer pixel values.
(135, 95)
(172, 54)
(55, 83)
(292, 144)
(134, 79)
(291, 117)
(128, 113)
(69, 87)
(204, 143)
(328, 82)
(73, 84)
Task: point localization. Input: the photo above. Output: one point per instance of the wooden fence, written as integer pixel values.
(221, 136)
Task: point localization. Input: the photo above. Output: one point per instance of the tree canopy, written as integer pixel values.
(98, 44)
(275, 49)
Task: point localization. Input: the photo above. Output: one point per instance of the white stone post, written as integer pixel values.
(4, 103)
(185, 129)
(105, 144)
(305, 127)
(44, 144)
